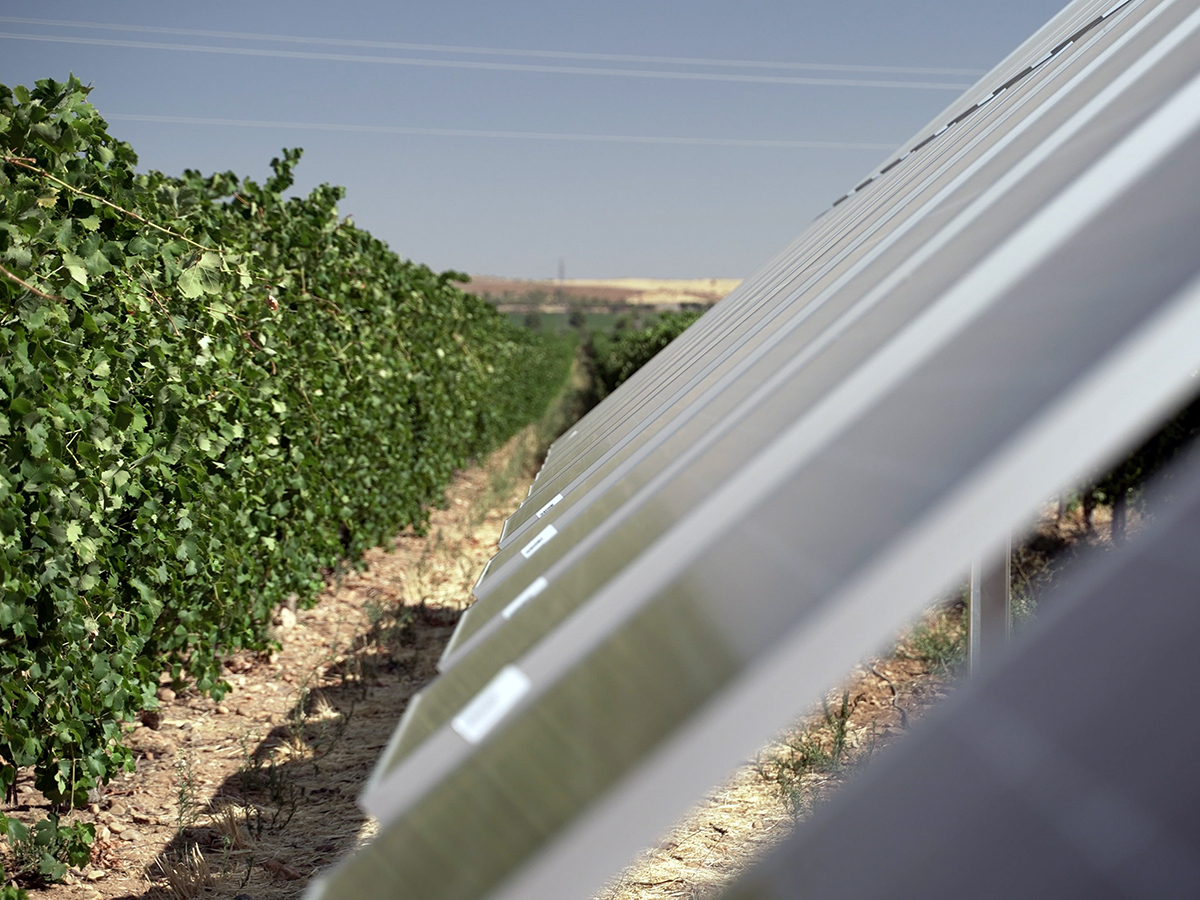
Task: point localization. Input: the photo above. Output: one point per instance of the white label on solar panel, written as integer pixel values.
(549, 506)
(524, 597)
(491, 704)
(538, 542)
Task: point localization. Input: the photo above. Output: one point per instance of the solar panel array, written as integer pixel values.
(1006, 305)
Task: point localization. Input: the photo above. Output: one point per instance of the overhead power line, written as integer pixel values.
(494, 51)
(519, 135)
(492, 66)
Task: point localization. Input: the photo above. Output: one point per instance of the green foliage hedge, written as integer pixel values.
(1126, 482)
(211, 394)
(619, 353)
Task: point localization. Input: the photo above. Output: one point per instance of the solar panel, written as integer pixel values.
(1027, 328)
(1067, 773)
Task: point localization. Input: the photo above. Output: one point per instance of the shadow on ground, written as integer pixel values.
(290, 811)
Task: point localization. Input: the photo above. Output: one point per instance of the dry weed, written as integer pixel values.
(232, 824)
(187, 874)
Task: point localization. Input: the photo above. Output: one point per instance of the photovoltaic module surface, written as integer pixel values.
(1007, 304)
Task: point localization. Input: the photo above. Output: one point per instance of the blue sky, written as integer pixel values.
(515, 206)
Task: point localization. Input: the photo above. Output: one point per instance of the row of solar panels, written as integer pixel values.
(1001, 309)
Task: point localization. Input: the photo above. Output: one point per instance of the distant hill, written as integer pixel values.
(515, 295)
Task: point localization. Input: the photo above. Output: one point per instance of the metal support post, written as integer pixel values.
(989, 610)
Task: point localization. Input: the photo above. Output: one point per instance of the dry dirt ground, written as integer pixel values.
(251, 796)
